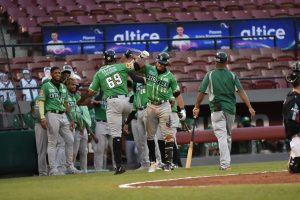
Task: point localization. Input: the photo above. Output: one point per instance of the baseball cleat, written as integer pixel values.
(153, 167)
(225, 168)
(120, 170)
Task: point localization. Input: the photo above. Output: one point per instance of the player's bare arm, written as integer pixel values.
(199, 100)
(245, 99)
(68, 112)
(43, 120)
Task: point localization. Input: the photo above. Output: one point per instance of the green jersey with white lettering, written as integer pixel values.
(112, 79)
(158, 85)
(74, 108)
(53, 96)
(140, 95)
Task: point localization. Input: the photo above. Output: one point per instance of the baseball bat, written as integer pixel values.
(190, 150)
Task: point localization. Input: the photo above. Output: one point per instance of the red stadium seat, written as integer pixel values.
(184, 16)
(75, 57)
(240, 58)
(192, 6)
(264, 84)
(45, 4)
(260, 14)
(206, 53)
(5, 4)
(126, 18)
(145, 17)
(21, 60)
(36, 11)
(164, 17)
(190, 86)
(185, 54)
(76, 10)
(172, 6)
(279, 13)
(27, 3)
(294, 11)
(66, 20)
(115, 8)
(199, 61)
(178, 61)
(202, 16)
(43, 59)
(267, 4)
(241, 14)
(262, 58)
(269, 50)
(283, 4)
(284, 56)
(231, 5)
(279, 65)
(237, 67)
(247, 84)
(106, 19)
(211, 5)
(15, 13)
(65, 2)
(134, 8)
(248, 74)
(44, 21)
(256, 66)
(56, 11)
(25, 23)
(86, 19)
(221, 15)
(96, 9)
(37, 66)
(154, 7)
(194, 69)
(85, 2)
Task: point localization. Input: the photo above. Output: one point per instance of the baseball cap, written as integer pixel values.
(25, 71)
(47, 69)
(67, 68)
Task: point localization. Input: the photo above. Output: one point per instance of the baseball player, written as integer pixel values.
(102, 133)
(291, 118)
(112, 80)
(57, 120)
(159, 82)
(8, 93)
(221, 84)
(28, 82)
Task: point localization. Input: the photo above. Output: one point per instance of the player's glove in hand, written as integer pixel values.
(144, 54)
(182, 114)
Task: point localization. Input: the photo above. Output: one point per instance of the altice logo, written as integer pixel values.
(135, 35)
(259, 31)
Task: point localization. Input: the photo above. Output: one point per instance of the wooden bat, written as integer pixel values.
(191, 145)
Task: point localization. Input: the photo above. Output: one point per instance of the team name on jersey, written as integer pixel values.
(53, 95)
(163, 83)
(108, 70)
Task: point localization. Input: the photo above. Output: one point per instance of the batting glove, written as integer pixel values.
(144, 54)
(182, 114)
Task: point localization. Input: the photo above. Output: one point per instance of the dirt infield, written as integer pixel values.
(229, 179)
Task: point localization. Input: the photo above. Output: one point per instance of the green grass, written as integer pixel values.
(105, 186)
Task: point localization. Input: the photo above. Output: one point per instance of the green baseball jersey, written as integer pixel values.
(85, 115)
(140, 96)
(158, 85)
(100, 110)
(74, 108)
(53, 96)
(221, 84)
(30, 119)
(112, 79)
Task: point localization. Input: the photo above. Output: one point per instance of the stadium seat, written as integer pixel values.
(249, 74)
(95, 57)
(184, 16)
(21, 60)
(237, 67)
(260, 14)
(190, 86)
(43, 59)
(269, 50)
(264, 84)
(240, 58)
(46, 21)
(106, 19)
(279, 13)
(241, 14)
(154, 7)
(199, 75)
(115, 8)
(284, 56)
(59, 64)
(65, 3)
(279, 65)
(176, 69)
(145, 17)
(183, 76)
(262, 58)
(248, 51)
(194, 69)
(56, 11)
(199, 61)
(45, 4)
(36, 11)
(206, 53)
(192, 6)
(283, 4)
(5, 4)
(172, 6)
(222, 15)
(210, 67)
(202, 16)
(277, 76)
(178, 61)
(86, 19)
(27, 3)
(184, 54)
(66, 20)
(257, 66)
(26, 22)
(85, 2)
(75, 57)
(247, 84)
(37, 66)
(126, 18)
(133, 8)
(294, 11)
(211, 5)
(267, 4)
(230, 5)
(96, 9)
(75, 10)
(165, 17)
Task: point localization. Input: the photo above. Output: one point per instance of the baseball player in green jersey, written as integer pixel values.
(30, 117)
(112, 80)
(159, 82)
(103, 134)
(53, 102)
(221, 85)
(41, 141)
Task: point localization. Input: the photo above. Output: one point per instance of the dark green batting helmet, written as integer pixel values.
(110, 55)
(163, 58)
(221, 57)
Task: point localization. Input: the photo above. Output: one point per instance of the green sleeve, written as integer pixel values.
(238, 84)
(203, 86)
(174, 85)
(95, 85)
(42, 94)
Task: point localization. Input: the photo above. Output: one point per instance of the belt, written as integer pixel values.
(142, 108)
(101, 120)
(117, 96)
(56, 111)
(158, 102)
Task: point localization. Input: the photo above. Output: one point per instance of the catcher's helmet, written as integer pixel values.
(110, 55)
(163, 58)
(246, 121)
(293, 77)
(221, 57)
